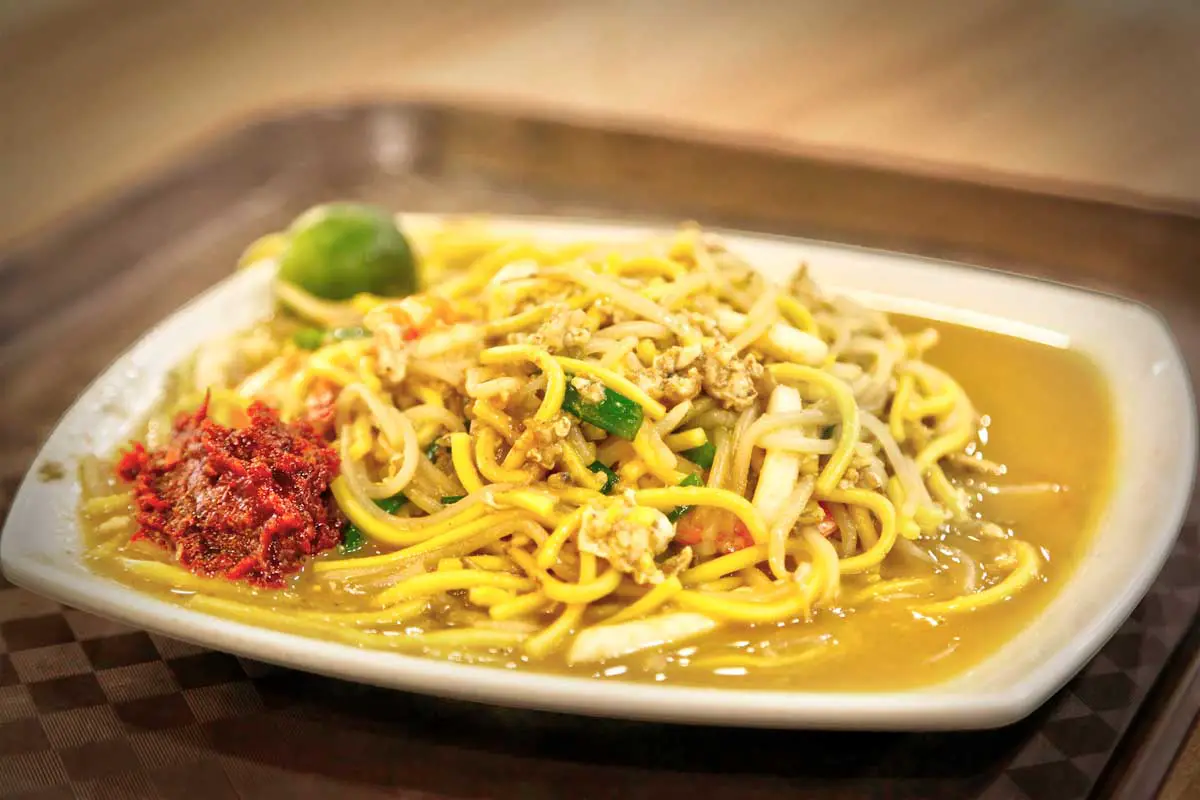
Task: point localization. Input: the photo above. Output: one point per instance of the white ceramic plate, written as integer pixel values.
(1157, 439)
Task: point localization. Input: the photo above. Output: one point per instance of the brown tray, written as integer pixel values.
(88, 708)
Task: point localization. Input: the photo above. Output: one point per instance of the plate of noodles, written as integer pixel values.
(627, 471)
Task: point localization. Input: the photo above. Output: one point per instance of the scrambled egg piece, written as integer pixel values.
(542, 441)
(680, 373)
(629, 537)
(731, 379)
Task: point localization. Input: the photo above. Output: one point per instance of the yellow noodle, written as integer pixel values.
(883, 589)
(395, 534)
(556, 381)
(563, 592)
(795, 600)
(883, 511)
(579, 471)
(933, 406)
(577, 495)
(474, 521)
(686, 440)
(796, 314)
(726, 584)
(178, 579)
(653, 264)
(547, 554)
(651, 601)
(551, 637)
(528, 319)
(520, 606)
(486, 442)
(754, 578)
(487, 596)
(1025, 573)
(724, 565)
(435, 582)
(945, 492)
(658, 459)
(536, 502)
(464, 467)
(825, 563)
(864, 526)
(496, 418)
(495, 563)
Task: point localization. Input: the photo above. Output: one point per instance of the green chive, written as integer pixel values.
(451, 499)
(352, 540)
(827, 433)
(616, 413)
(392, 504)
(610, 477)
(702, 456)
(693, 479)
(309, 338)
(432, 451)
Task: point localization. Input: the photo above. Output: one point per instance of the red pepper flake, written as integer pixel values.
(727, 533)
(248, 503)
(827, 526)
(737, 538)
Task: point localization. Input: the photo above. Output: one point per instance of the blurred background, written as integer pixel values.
(1093, 98)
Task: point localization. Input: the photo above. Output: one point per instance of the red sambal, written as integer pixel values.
(249, 503)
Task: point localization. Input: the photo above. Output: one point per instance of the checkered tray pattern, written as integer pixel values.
(93, 709)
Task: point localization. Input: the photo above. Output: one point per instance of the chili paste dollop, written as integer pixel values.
(247, 503)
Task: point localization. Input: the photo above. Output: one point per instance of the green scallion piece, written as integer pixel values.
(827, 433)
(309, 338)
(702, 456)
(616, 413)
(678, 511)
(610, 477)
(451, 499)
(353, 538)
(432, 451)
(392, 504)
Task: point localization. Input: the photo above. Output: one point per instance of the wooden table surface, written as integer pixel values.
(1097, 97)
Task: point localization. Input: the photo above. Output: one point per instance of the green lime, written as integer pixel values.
(338, 250)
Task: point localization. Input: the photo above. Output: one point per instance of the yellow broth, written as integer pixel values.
(1050, 421)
